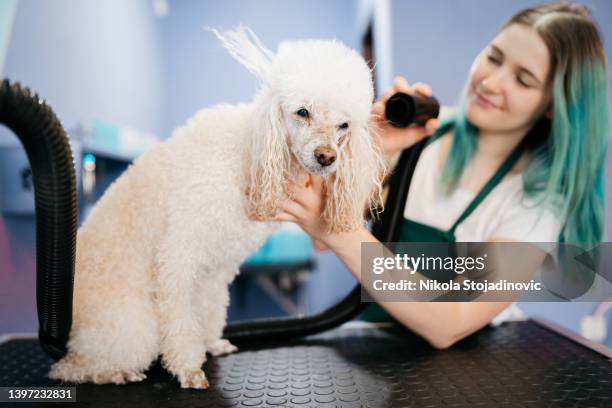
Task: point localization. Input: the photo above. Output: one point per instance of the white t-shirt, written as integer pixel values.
(500, 215)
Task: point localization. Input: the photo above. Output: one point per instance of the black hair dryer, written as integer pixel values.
(402, 109)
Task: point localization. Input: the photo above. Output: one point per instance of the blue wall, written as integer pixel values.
(91, 59)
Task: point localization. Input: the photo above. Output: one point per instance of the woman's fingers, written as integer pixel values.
(388, 94)
(422, 88)
(304, 196)
(378, 109)
(295, 191)
(419, 88)
(401, 85)
(292, 208)
(283, 216)
(431, 125)
(317, 183)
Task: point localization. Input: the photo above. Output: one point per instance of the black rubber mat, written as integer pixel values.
(515, 365)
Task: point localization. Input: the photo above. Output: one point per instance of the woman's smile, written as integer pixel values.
(484, 102)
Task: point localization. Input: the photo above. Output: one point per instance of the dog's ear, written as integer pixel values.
(356, 186)
(270, 158)
(246, 48)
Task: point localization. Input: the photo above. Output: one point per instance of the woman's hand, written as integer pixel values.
(392, 139)
(305, 208)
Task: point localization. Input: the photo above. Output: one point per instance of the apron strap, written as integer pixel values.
(493, 181)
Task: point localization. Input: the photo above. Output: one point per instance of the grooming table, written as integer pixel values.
(518, 364)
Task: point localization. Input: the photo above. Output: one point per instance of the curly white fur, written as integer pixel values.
(156, 255)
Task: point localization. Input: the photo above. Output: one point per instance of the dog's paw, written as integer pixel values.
(194, 379)
(118, 377)
(220, 347)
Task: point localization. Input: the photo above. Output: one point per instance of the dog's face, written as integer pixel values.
(316, 135)
(313, 109)
(324, 92)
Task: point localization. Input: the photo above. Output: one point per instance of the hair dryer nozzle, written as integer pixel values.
(402, 109)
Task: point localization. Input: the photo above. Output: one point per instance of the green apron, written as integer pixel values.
(412, 231)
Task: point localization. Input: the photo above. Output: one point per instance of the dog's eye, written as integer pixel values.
(303, 113)
(343, 126)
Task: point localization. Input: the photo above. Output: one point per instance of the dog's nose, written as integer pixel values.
(325, 156)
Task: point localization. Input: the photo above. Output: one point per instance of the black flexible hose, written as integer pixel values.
(46, 145)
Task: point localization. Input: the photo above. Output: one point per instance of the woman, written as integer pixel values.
(535, 114)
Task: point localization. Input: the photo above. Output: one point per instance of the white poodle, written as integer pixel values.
(156, 255)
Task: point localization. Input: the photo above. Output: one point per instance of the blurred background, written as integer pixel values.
(122, 75)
